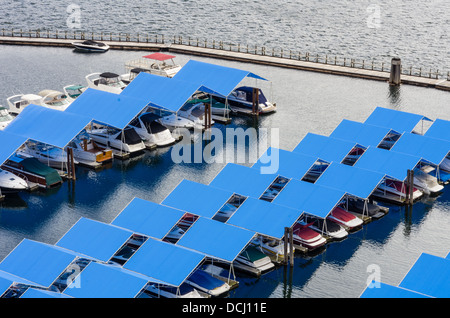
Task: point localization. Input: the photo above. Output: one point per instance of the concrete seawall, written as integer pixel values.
(442, 84)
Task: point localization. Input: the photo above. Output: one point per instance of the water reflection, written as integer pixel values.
(394, 96)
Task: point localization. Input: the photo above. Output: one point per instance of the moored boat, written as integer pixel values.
(206, 283)
(152, 131)
(5, 117)
(253, 261)
(307, 238)
(90, 46)
(11, 183)
(126, 141)
(107, 81)
(345, 218)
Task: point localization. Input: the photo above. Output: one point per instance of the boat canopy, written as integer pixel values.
(197, 198)
(354, 181)
(166, 262)
(7, 280)
(310, 198)
(243, 180)
(216, 239)
(106, 281)
(159, 56)
(395, 119)
(430, 275)
(290, 164)
(96, 239)
(49, 126)
(38, 262)
(220, 79)
(265, 218)
(430, 149)
(163, 92)
(361, 133)
(107, 108)
(439, 129)
(148, 218)
(326, 148)
(391, 163)
(10, 143)
(382, 290)
(40, 293)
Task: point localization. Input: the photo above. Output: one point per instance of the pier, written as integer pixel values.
(240, 53)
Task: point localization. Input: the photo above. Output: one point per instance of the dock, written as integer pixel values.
(220, 50)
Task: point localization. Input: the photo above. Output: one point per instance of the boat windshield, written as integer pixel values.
(4, 115)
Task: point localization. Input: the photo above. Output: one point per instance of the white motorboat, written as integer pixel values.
(90, 46)
(326, 227)
(173, 121)
(241, 101)
(73, 91)
(184, 291)
(345, 218)
(195, 113)
(87, 152)
(54, 99)
(395, 191)
(272, 247)
(127, 141)
(50, 155)
(17, 103)
(362, 207)
(11, 183)
(217, 108)
(252, 260)
(426, 182)
(155, 63)
(5, 117)
(107, 81)
(207, 283)
(152, 131)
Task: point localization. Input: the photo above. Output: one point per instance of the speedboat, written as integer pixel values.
(306, 237)
(50, 155)
(155, 63)
(32, 170)
(195, 113)
(252, 260)
(345, 218)
(151, 131)
(389, 140)
(11, 183)
(426, 182)
(217, 108)
(241, 100)
(54, 99)
(174, 235)
(271, 247)
(207, 283)
(17, 103)
(87, 152)
(326, 227)
(73, 91)
(173, 121)
(184, 291)
(90, 46)
(126, 141)
(108, 82)
(5, 117)
(359, 206)
(395, 191)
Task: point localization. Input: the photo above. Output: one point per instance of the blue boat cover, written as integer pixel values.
(216, 239)
(166, 262)
(10, 143)
(243, 180)
(220, 79)
(105, 281)
(7, 279)
(50, 126)
(148, 218)
(354, 181)
(290, 164)
(310, 198)
(388, 291)
(161, 91)
(38, 262)
(323, 147)
(388, 162)
(107, 108)
(361, 133)
(398, 120)
(430, 149)
(430, 275)
(197, 198)
(265, 218)
(96, 239)
(39, 293)
(440, 129)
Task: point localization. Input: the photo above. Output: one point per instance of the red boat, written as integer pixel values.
(345, 218)
(305, 237)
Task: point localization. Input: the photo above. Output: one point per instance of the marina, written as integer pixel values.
(229, 185)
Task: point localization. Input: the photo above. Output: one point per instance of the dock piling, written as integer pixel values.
(395, 77)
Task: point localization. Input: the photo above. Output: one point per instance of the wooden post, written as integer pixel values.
(286, 237)
(395, 77)
(291, 246)
(255, 101)
(411, 187)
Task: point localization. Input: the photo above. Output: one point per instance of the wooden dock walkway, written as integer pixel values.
(240, 56)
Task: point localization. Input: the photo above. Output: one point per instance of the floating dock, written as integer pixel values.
(365, 71)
